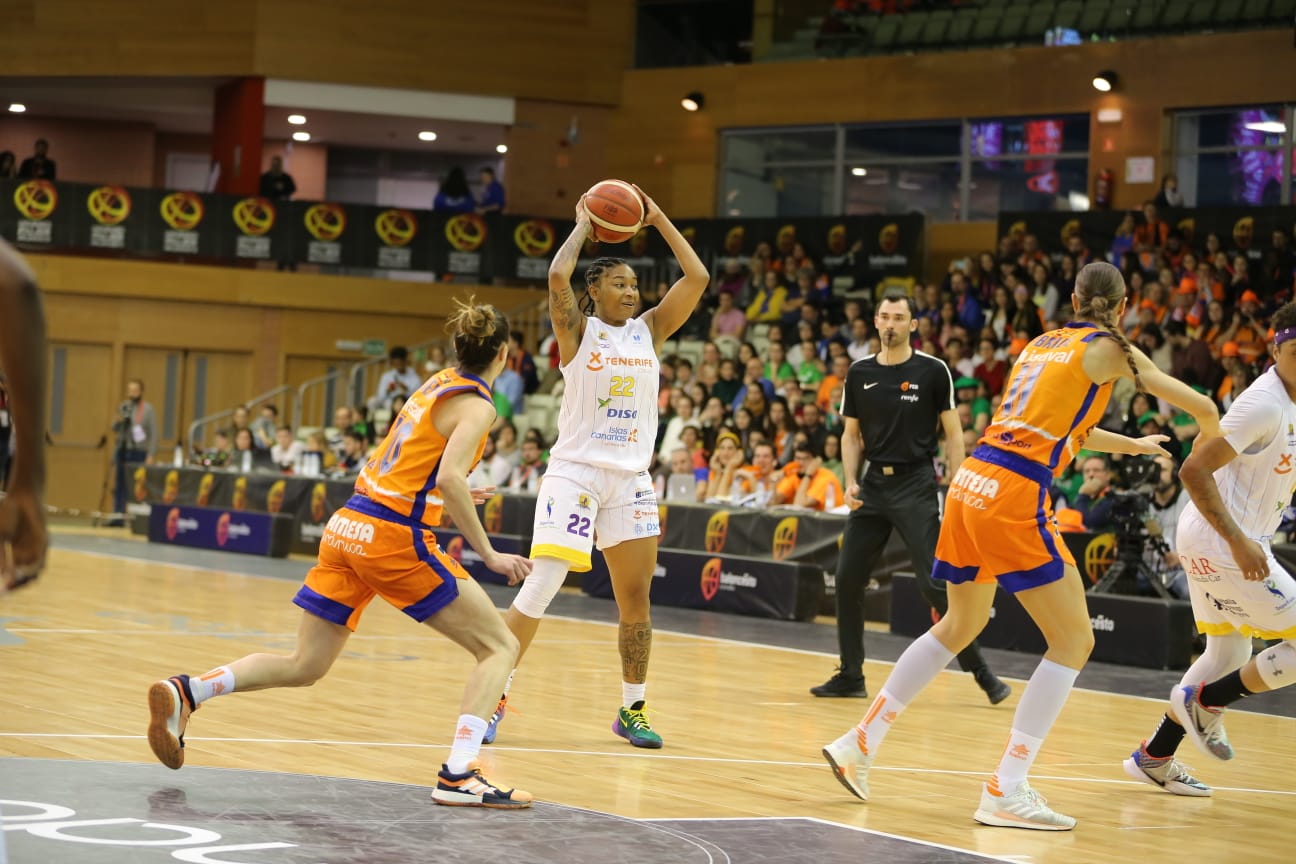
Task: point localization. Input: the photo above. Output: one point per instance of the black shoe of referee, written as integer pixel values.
(996, 691)
(842, 685)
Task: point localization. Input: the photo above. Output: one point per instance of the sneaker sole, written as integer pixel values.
(1011, 821)
(1182, 717)
(1132, 769)
(162, 707)
(999, 695)
(840, 774)
(858, 694)
(463, 799)
(618, 731)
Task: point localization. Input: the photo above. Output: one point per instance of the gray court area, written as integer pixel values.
(80, 812)
(822, 638)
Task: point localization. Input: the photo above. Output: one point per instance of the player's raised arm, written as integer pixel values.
(565, 315)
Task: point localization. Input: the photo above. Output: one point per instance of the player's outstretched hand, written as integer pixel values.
(1151, 445)
(514, 567)
(481, 494)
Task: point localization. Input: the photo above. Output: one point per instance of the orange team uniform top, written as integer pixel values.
(998, 522)
(1049, 404)
(402, 475)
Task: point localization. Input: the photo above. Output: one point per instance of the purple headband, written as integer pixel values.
(1283, 335)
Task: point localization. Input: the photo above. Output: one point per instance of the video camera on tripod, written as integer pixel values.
(1131, 511)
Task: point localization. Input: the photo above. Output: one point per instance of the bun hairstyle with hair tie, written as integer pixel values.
(478, 330)
(1100, 288)
(593, 273)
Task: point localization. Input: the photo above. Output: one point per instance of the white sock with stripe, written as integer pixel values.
(918, 665)
(467, 743)
(217, 682)
(1040, 705)
(509, 683)
(876, 724)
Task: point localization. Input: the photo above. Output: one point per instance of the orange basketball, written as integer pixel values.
(615, 209)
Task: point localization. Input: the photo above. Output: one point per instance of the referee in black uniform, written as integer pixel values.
(892, 404)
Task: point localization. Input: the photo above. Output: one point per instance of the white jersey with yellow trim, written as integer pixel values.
(609, 406)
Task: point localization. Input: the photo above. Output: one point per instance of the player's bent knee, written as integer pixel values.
(540, 587)
(1277, 665)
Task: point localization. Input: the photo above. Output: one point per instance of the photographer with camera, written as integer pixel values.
(1094, 499)
(1166, 503)
(135, 436)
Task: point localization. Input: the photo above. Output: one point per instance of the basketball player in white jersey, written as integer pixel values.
(597, 482)
(1240, 484)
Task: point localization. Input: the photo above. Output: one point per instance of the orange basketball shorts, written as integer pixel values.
(999, 524)
(368, 549)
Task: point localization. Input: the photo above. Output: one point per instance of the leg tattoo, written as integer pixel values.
(635, 643)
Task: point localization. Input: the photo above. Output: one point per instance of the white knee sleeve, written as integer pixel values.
(1277, 665)
(540, 586)
(1223, 654)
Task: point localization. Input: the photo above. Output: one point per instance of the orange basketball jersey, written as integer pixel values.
(402, 475)
(1049, 404)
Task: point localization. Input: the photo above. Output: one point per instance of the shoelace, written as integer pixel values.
(638, 719)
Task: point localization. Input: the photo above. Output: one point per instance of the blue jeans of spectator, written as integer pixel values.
(124, 475)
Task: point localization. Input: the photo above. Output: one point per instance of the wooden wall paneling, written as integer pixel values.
(85, 151)
(545, 171)
(81, 412)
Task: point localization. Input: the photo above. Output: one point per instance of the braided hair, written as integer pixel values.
(1100, 288)
(593, 273)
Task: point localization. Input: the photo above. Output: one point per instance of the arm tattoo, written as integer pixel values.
(635, 642)
(562, 300)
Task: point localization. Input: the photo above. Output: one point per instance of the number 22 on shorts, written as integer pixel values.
(579, 525)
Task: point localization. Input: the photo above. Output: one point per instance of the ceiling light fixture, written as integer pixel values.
(693, 101)
(301, 136)
(1272, 127)
(17, 108)
(501, 149)
(427, 136)
(859, 172)
(1105, 81)
(297, 119)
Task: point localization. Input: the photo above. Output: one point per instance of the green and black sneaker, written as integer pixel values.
(632, 725)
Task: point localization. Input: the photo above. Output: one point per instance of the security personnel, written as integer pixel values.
(893, 403)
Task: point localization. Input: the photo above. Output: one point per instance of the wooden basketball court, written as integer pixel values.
(79, 649)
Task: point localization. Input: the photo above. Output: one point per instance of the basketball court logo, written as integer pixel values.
(325, 222)
(534, 237)
(183, 211)
(710, 582)
(254, 216)
(785, 537)
(36, 199)
(396, 227)
(717, 531)
(466, 232)
(109, 205)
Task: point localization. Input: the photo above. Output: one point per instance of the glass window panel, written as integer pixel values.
(1236, 127)
(1021, 136)
(1244, 177)
(1029, 184)
(780, 145)
(778, 192)
(928, 188)
(868, 143)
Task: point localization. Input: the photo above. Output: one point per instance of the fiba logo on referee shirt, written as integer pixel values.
(717, 531)
(785, 537)
(710, 582)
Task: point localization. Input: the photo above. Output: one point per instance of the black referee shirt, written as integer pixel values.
(898, 407)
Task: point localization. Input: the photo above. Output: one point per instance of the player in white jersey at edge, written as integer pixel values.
(1239, 484)
(597, 484)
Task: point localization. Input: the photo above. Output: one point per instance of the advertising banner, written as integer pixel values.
(221, 530)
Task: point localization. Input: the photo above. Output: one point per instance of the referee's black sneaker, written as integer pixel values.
(996, 691)
(842, 685)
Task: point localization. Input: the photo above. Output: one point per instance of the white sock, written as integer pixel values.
(467, 743)
(876, 724)
(922, 661)
(217, 682)
(632, 693)
(1040, 705)
(509, 683)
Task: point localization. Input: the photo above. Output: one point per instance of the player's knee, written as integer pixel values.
(306, 672)
(1073, 648)
(1277, 664)
(540, 587)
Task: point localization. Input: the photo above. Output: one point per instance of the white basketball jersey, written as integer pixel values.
(609, 405)
(1258, 484)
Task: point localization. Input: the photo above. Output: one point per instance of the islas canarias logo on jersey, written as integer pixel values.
(466, 232)
(183, 211)
(325, 221)
(109, 205)
(785, 537)
(710, 581)
(396, 227)
(717, 531)
(36, 199)
(534, 237)
(254, 216)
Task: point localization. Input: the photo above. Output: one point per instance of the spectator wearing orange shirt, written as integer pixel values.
(1152, 234)
(806, 483)
(840, 365)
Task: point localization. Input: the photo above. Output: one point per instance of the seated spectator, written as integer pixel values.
(768, 303)
(685, 411)
(239, 419)
(353, 455)
(526, 476)
(264, 426)
(724, 463)
(960, 364)
(1169, 195)
(492, 195)
(832, 457)
(287, 451)
(277, 184)
(728, 320)
(243, 443)
(858, 347)
(780, 426)
(507, 453)
(1123, 243)
(777, 368)
(806, 483)
(1093, 498)
(316, 450)
(753, 379)
(681, 481)
(454, 196)
(1190, 360)
(1152, 233)
(8, 165)
(218, 455)
(509, 392)
(399, 380)
(756, 481)
(521, 362)
(992, 370)
(344, 420)
(840, 366)
(39, 166)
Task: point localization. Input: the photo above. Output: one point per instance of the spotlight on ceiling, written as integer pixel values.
(17, 108)
(501, 149)
(1269, 127)
(297, 119)
(427, 136)
(1105, 81)
(693, 101)
(301, 136)
(859, 172)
